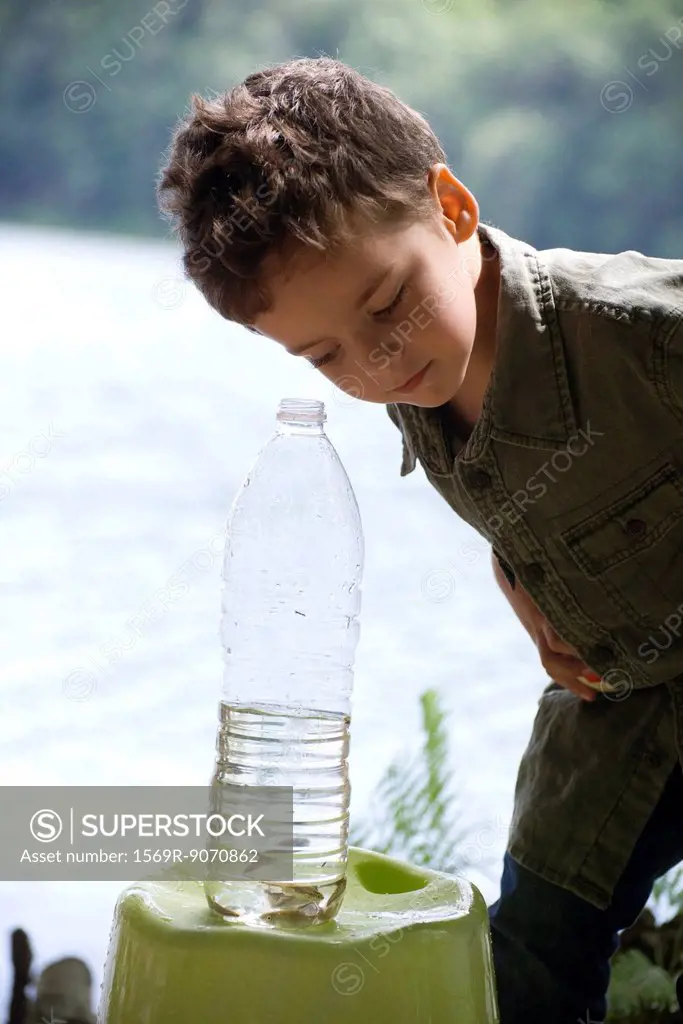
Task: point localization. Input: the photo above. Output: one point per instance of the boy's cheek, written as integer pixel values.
(349, 384)
(445, 296)
(421, 317)
(430, 305)
(379, 359)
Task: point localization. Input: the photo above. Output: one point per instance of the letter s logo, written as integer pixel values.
(46, 826)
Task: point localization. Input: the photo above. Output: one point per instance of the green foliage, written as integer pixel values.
(566, 126)
(416, 818)
(636, 986)
(667, 893)
(416, 806)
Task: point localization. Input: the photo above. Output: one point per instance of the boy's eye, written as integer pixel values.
(393, 304)
(322, 360)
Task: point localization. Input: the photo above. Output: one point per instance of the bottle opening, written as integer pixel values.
(301, 410)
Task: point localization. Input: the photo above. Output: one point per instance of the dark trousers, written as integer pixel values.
(551, 949)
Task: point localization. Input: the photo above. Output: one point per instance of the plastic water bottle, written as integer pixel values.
(289, 629)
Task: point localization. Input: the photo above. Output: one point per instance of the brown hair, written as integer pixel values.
(290, 157)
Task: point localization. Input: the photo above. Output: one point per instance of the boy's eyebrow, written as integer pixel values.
(367, 292)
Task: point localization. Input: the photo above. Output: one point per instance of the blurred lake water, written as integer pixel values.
(130, 414)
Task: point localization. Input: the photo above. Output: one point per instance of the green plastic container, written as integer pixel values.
(409, 946)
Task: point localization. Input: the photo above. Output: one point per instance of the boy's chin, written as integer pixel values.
(426, 401)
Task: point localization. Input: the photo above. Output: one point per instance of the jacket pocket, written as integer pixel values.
(633, 547)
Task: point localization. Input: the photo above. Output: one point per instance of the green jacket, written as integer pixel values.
(574, 474)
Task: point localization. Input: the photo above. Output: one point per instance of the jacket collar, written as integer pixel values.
(527, 401)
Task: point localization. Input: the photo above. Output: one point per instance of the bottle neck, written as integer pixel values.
(301, 416)
(306, 429)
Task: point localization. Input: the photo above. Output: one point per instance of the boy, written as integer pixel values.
(542, 393)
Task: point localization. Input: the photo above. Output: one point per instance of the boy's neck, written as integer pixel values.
(465, 407)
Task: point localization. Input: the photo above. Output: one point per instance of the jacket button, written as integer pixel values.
(535, 573)
(479, 479)
(635, 528)
(603, 653)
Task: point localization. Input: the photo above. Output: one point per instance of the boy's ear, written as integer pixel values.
(458, 206)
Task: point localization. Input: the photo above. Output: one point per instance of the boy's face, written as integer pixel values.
(391, 319)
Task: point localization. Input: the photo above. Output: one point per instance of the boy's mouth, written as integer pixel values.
(413, 382)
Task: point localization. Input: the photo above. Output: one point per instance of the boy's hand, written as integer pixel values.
(560, 661)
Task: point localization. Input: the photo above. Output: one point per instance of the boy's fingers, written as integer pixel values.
(580, 689)
(565, 671)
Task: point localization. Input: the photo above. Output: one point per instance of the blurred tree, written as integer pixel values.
(564, 122)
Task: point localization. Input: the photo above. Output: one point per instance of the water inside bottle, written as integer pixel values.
(274, 745)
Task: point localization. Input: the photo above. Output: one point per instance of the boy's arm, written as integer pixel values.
(559, 660)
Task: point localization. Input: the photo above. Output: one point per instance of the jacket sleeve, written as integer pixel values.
(668, 361)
